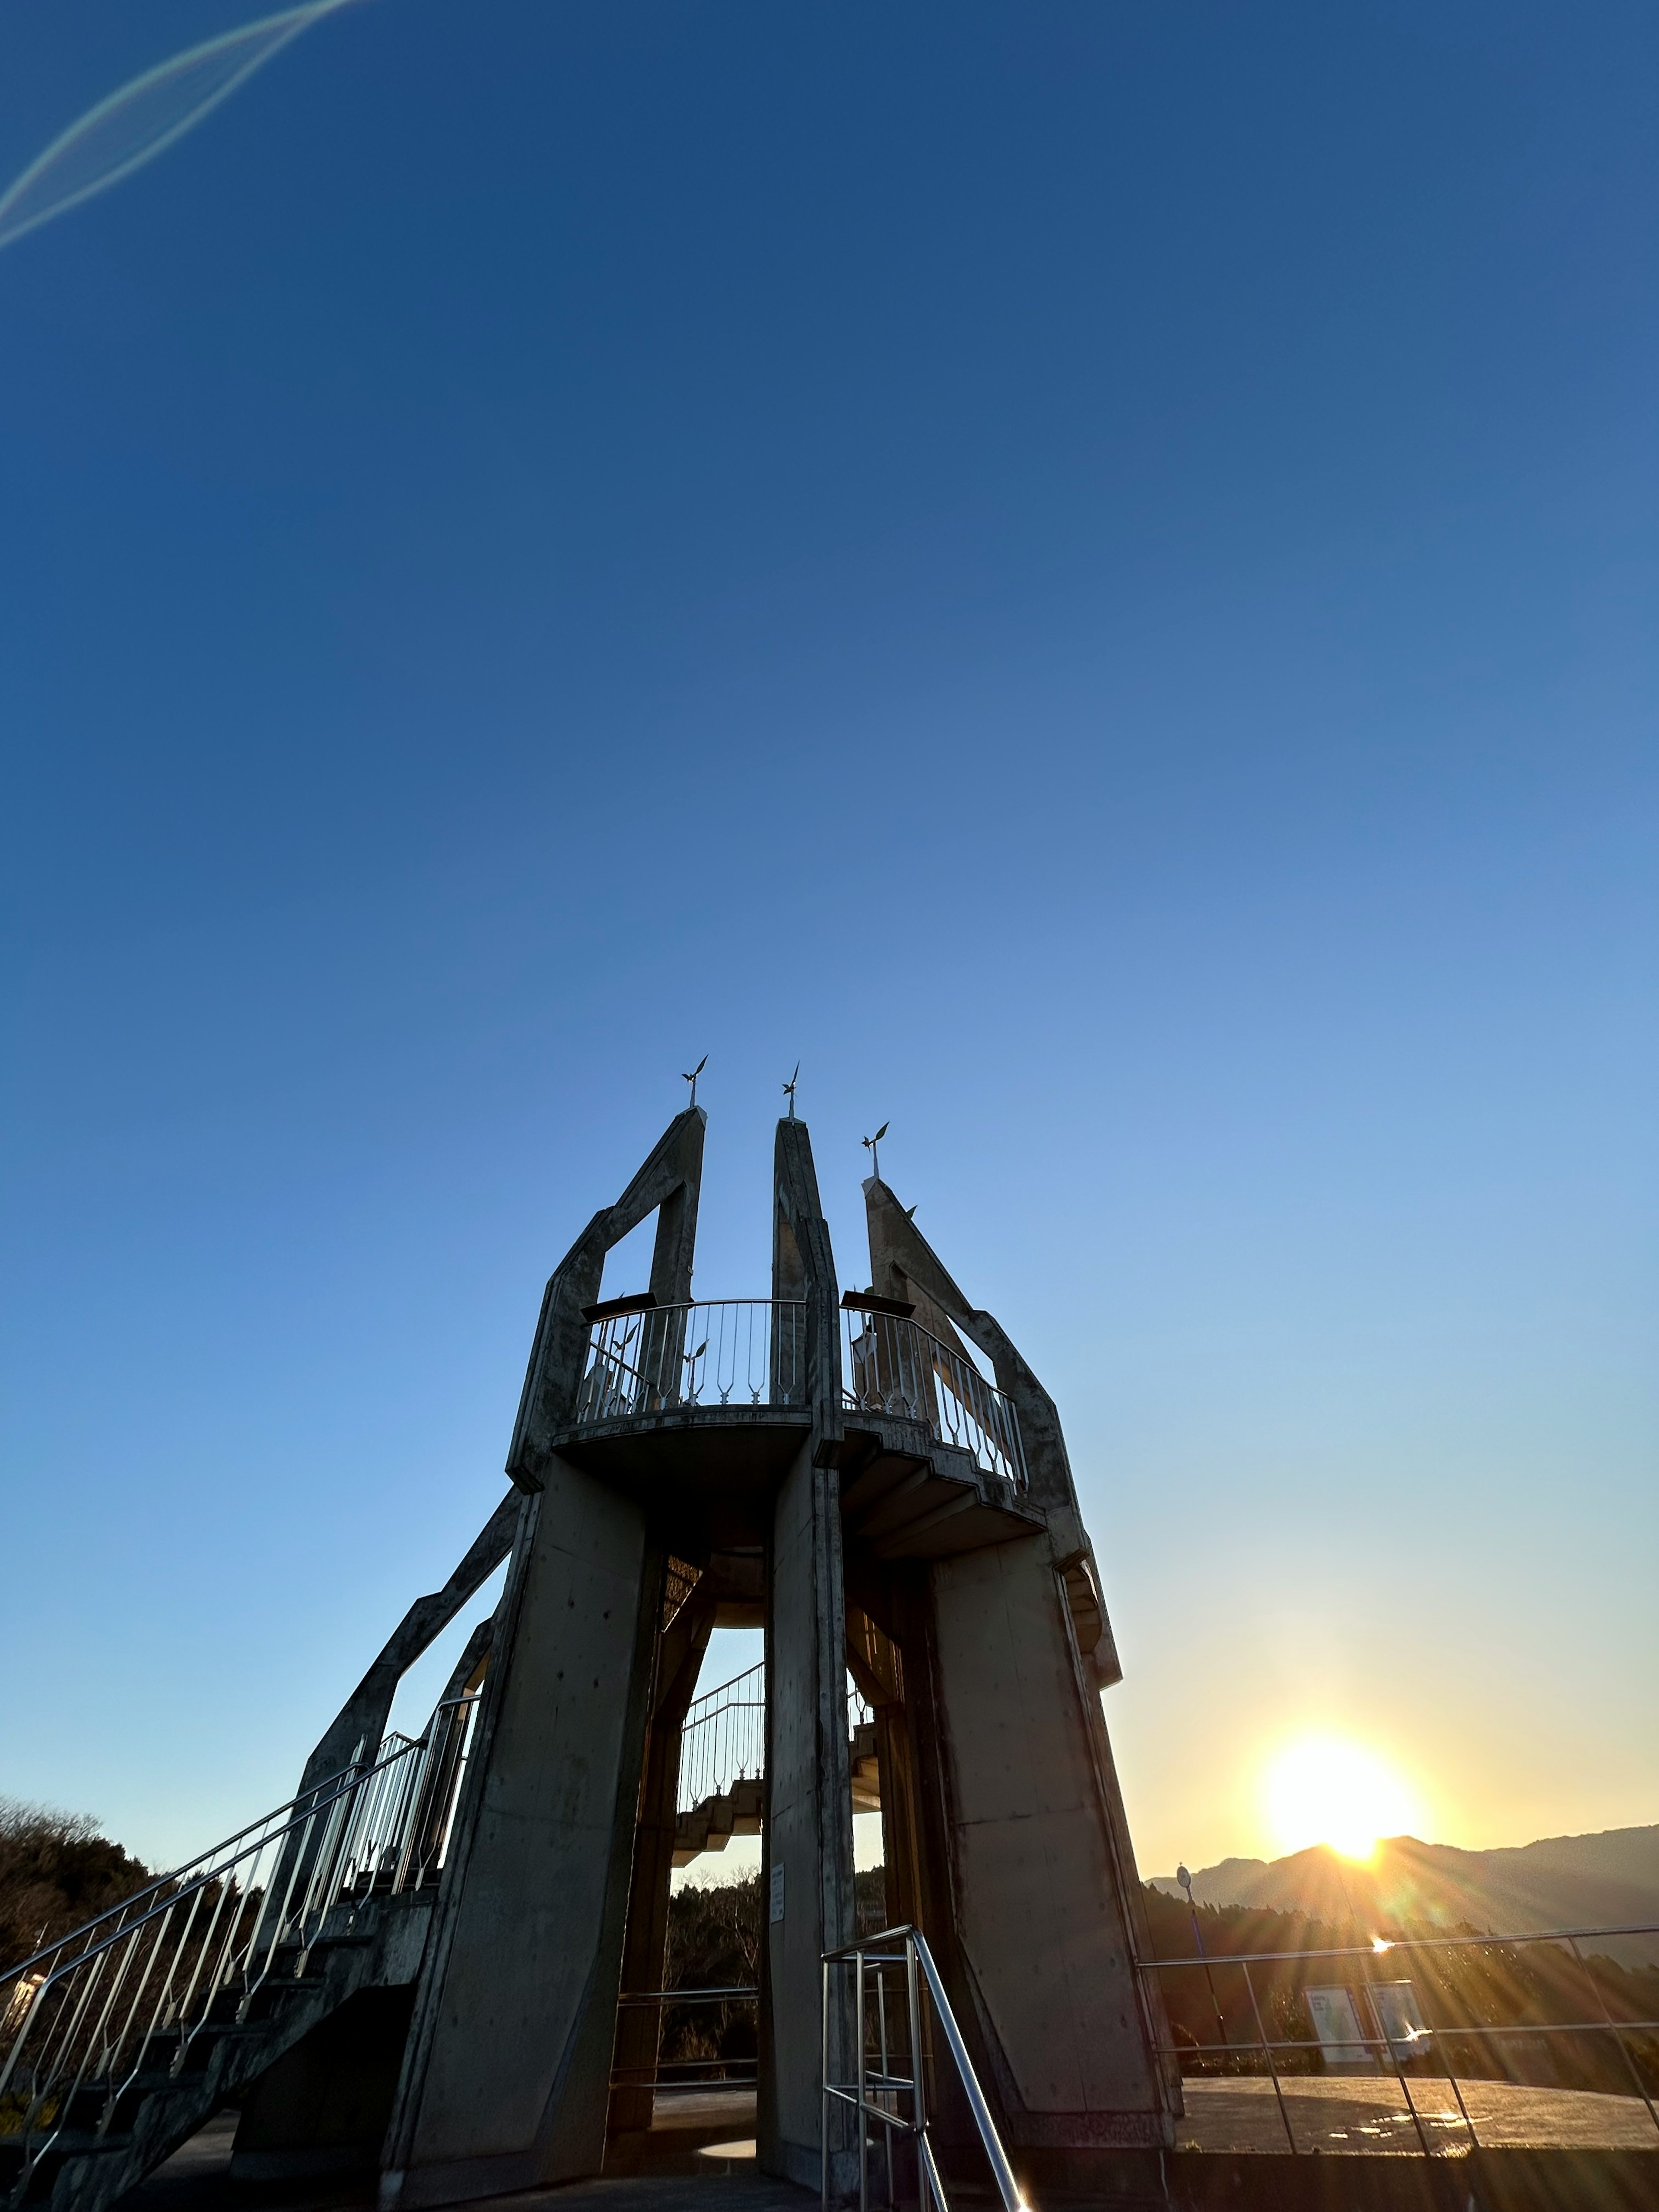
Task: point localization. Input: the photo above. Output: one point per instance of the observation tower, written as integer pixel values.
(448, 1953)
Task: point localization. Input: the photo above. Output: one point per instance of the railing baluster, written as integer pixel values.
(98, 1999)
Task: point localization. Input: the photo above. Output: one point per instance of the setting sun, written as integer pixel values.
(1324, 1791)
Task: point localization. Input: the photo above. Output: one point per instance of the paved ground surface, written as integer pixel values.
(1333, 2116)
(1360, 2115)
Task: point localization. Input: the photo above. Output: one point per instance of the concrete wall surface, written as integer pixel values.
(807, 1873)
(509, 2066)
(1041, 1930)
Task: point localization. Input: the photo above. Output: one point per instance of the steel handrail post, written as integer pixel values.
(1266, 2053)
(823, 2101)
(1601, 2005)
(918, 2093)
(926, 2161)
(1007, 2187)
(886, 2069)
(858, 2041)
(1387, 2042)
(1444, 2058)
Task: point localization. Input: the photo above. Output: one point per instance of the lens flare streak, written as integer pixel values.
(143, 118)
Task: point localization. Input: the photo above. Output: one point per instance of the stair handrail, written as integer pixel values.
(100, 2033)
(315, 1799)
(914, 1957)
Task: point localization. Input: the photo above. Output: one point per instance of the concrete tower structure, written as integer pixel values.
(845, 1473)
(453, 1952)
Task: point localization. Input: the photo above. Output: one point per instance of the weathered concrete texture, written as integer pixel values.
(668, 1185)
(807, 1866)
(324, 2106)
(1008, 1839)
(807, 1887)
(1042, 1936)
(507, 2079)
(679, 1655)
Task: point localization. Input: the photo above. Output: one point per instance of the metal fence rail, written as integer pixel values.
(896, 1990)
(716, 1351)
(712, 2070)
(1410, 2027)
(121, 1996)
(893, 1366)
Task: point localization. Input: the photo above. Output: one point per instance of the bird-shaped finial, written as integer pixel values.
(692, 1078)
(789, 1090)
(869, 1143)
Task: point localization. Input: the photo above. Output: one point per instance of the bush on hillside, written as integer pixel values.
(56, 1872)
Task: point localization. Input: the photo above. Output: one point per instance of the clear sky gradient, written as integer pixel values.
(1086, 571)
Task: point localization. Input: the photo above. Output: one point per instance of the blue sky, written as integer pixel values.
(1086, 571)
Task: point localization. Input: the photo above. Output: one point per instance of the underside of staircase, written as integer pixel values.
(115, 2132)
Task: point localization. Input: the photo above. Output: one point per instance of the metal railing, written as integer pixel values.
(723, 1738)
(892, 2051)
(712, 2069)
(717, 1352)
(122, 1997)
(893, 1366)
(1441, 2026)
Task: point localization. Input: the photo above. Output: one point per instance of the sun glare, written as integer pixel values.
(1324, 1791)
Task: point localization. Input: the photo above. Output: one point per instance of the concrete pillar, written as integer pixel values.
(1041, 1902)
(679, 1657)
(1021, 1870)
(806, 1886)
(507, 2079)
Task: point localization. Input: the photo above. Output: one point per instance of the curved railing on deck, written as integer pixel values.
(891, 1364)
(643, 1357)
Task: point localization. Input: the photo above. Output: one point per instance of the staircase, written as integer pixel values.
(710, 1825)
(722, 1765)
(120, 2040)
(907, 1495)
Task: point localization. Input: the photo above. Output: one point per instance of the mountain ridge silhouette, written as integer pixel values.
(1606, 1879)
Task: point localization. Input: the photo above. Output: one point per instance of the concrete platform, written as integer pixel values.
(1367, 2115)
(1545, 2150)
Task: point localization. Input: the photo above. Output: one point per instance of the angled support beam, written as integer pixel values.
(362, 1718)
(670, 1180)
(904, 1265)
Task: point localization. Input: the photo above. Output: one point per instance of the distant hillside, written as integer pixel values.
(1606, 1881)
(56, 1871)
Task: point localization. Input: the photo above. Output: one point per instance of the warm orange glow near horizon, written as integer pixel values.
(1325, 1789)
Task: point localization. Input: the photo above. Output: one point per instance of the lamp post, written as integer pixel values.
(1185, 1881)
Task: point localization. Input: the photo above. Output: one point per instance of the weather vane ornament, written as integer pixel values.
(869, 1143)
(132, 125)
(692, 1078)
(789, 1090)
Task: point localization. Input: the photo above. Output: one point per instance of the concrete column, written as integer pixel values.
(679, 1656)
(1040, 1897)
(807, 1885)
(507, 2078)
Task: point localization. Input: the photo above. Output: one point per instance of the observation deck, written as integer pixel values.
(709, 1399)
